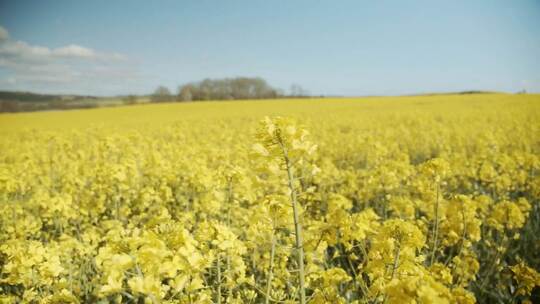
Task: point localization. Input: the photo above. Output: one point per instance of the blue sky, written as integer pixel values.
(328, 47)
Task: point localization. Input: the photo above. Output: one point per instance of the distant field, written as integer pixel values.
(13, 102)
(334, 111)
(420, 199)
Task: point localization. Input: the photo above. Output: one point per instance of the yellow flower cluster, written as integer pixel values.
(384, 200)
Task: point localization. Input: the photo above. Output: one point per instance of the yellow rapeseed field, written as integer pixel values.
(421, 199)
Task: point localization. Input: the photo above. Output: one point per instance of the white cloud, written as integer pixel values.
(20, 52)
(74, 50)
(4, 35)
(72, 68)
(77, 51)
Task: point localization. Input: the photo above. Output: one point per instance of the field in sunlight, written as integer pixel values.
(420, 199)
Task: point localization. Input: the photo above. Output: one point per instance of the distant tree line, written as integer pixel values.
(27, 106)
(130, 99)
(36, 97)
(207, 89)
(225, 89)
(12, 101)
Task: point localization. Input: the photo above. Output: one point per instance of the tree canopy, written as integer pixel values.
(227, 89)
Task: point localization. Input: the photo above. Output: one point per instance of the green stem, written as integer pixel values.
(297, 224)
(270, 270)
(394, 266)
(219, 279)
(436, 228)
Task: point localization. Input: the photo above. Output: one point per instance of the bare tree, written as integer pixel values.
(297, 91)
(161, 94)
(185, 92)
(130, 99)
